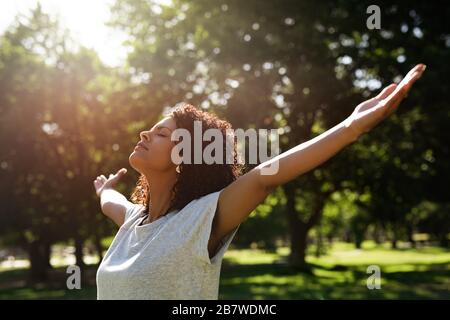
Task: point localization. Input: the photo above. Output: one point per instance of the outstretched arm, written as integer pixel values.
(112, 202)
(239, 199)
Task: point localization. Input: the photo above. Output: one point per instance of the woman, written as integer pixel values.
(182, 218)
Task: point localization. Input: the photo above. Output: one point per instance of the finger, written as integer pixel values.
(386, 91)
(395, 98)
(414, 74)
(407, 83)
(103, 177)
(122, 171)
(417, 68)
(402, 89)
(395, 105)
(387, 105)
(119, 174)
(391, 102)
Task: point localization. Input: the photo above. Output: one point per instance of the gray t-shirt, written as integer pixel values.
(165, 259)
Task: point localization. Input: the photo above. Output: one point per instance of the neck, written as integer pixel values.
(160, 192)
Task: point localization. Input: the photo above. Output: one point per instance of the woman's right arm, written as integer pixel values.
(113, 203)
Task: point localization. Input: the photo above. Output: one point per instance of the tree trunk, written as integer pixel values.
(377, 235)
(98, 247)
(297, 258)
(299, 229)
(79, 252)
(330, 240)
(411, 236)
(298, 234)
(319, 242)
(443, 241)
(48, 253)
(358, 242)
(394, 243)
(39, 264)
(394, 237)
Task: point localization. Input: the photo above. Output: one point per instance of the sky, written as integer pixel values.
(84, 18)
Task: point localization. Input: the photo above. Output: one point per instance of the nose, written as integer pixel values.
(144, 136)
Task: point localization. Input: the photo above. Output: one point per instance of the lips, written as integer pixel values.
(140, 144)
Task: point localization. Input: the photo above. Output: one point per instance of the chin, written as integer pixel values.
(133, 161)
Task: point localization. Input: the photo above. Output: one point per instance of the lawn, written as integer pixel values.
(422, 273)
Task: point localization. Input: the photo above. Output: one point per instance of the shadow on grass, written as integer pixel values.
(279, 281)
(14, 284)
(268, 281)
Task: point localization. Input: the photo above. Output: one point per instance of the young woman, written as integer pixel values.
(181, 218)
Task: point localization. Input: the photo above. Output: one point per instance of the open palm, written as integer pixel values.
(370, 112)
(101, 182)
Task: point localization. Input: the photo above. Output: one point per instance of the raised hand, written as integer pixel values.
(370, 112)
(101, 182)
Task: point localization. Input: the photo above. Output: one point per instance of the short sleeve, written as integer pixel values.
(132, 211)
(199, 218)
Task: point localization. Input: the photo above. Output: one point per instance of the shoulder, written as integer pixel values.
(203, 204)
(133, 211)
(198, 227)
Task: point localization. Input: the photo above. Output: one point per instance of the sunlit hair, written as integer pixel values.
(194, 180)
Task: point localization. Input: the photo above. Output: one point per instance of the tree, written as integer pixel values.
(303, 65)
(52, 126)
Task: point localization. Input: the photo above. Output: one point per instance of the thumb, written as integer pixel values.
(116, 177)
(121, 172)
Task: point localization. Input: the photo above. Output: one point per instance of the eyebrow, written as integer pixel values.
(162, 127)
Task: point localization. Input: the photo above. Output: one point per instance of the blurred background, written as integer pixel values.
(80, 79)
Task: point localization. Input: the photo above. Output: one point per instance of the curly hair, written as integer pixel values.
(194, 180)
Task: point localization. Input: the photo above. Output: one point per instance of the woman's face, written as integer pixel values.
(156, 149)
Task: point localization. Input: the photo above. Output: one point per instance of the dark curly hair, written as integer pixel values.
(194, 180)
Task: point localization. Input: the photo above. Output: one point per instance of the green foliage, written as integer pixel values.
(294, 65)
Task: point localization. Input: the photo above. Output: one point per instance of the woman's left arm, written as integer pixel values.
(239, 199)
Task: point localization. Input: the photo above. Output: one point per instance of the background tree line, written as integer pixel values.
(300, 66)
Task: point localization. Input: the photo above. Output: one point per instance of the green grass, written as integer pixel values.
(422, 273)
(341, 274)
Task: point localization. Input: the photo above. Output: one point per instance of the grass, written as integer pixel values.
(422, 273)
